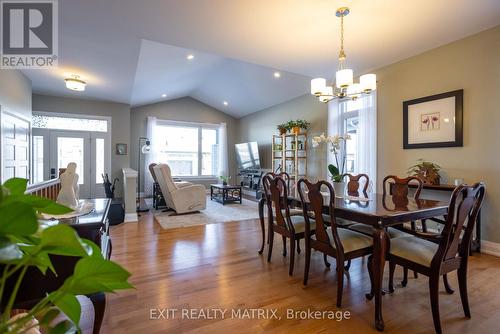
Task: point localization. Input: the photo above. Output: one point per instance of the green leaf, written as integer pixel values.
(64, 327)
(18, 219)
(68, 304)
(16, 186)
(9, 251)
(96, 275)
(63, 240)
(95, 250)
(45, 205)
(333, 170)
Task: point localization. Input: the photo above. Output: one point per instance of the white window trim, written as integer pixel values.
(200, 127)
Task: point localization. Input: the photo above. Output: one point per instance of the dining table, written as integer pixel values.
(379, 211)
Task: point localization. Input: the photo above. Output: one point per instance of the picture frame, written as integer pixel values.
(121, 149)
(434, 121)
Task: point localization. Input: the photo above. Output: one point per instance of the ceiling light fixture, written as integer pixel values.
(163, 95)
(225, 103)
(277, 75)
(75, 83)
(190, 57)
(344, 84)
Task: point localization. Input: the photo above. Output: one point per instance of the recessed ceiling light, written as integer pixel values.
(277, 74)
(225, 103)
(190, 57)
(163, 95)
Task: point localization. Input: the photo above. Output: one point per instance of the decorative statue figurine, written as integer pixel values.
(68, 195)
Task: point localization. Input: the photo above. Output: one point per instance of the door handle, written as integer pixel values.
(52, 173)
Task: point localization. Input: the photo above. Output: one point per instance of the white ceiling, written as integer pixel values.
(133, 51)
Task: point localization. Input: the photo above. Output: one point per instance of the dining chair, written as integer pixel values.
(435, 255)
(398, 188)
(340, 243)
(280, 220)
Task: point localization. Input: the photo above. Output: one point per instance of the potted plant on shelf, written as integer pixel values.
(426, 171)
(295, 125)
(25, 243)
(282, 128)
(225, 179)
(337, 147)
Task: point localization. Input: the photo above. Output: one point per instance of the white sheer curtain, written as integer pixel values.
(334, 128)
(366, 152)
(151, 157)
(366, 148)
(222, 140)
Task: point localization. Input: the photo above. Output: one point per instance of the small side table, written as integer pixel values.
(225, 193)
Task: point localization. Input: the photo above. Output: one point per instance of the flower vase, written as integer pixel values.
(339, 188)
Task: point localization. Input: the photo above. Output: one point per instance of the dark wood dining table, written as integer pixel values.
(380, 212)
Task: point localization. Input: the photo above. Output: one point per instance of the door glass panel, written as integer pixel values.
(37, 159)
(71, 150)
(99, 160)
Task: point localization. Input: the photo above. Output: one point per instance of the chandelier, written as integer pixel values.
(344, 87)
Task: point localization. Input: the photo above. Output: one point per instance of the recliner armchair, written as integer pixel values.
(185, 199)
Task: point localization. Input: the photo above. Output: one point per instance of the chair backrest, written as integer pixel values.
(399, 187)
(353, 184)
(152, 171)
(311, 194)
(285, 176)
(463, 210)
(276, 192)
(165, 181)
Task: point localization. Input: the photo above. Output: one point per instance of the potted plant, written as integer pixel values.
(225, 179)
(426, 171)
(282, 128)
(337, 147)
(303, 124)
(295, 125)
(26, 243)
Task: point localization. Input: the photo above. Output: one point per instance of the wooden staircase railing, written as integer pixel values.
(47, 189)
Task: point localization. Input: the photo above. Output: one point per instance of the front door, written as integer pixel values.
(72, 146)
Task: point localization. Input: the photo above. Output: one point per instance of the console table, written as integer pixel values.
(93, 226)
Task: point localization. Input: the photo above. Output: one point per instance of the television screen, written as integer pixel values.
(247, 155)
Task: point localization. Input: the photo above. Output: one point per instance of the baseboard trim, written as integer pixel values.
(491, 248)
(131, 217)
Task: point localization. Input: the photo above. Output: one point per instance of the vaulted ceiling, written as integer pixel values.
(133, 51)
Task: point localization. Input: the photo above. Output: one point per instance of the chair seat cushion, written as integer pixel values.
(340, 221)
(368, 230)
(299, 223)
(414, 249)
(352, 240)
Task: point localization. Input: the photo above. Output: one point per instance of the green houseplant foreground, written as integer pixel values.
(25, 243)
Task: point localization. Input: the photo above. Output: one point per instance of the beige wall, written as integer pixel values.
(261, 126)
(120, 123)
(183, 109)
(472, 64)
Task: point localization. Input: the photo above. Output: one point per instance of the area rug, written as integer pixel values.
(214, 213)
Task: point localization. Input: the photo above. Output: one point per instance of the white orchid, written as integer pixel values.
(337, 143)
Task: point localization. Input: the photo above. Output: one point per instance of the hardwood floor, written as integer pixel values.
(217, 266)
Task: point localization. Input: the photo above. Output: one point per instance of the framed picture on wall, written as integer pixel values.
(434, 121)
(121, 149)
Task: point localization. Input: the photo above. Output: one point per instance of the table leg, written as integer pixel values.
(211, 193)
(262, 227)
(379, 250)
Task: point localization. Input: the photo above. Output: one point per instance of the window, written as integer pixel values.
(189, 149)
(68, 123)
(37, 159)
(350, 121)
